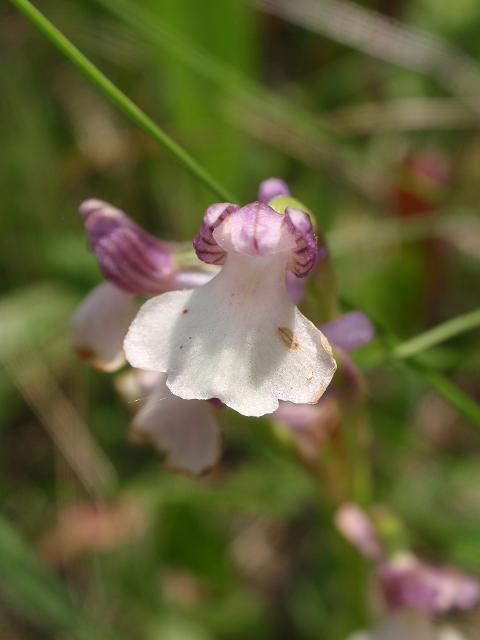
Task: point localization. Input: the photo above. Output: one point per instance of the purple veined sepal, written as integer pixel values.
(130, 258)
(257, 230)
(240, 337)
(272, 188)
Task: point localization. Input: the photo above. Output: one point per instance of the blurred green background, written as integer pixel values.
(248, 551)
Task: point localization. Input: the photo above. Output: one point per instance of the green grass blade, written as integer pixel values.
(438, 334)
(117, 97)
(31, 589)
(279, 121)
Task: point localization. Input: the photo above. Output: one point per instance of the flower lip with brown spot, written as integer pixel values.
(241, 320)
(288, 338)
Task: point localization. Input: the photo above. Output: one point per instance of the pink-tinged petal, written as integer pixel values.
(354, 524)
(100, 324)
(129, 257)
(258, 230)
(185, 430)
(254, 230)
(204, 243)
(271, 188)
(349, 331)
(409, 583)
(239, 338)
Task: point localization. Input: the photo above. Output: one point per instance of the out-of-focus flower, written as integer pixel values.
(408, 583)
(84, 528)
(354, 524)
(415, 593)
(423, 177)
(187, 431)
(99, 326)
(239, 338)
(349, 331)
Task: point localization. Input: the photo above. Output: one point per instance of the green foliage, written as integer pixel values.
(249, 551)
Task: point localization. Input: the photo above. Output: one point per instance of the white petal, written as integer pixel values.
(185, 430)
(239, 338)
(100, 324)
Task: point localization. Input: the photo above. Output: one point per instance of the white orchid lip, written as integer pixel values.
(239, 338)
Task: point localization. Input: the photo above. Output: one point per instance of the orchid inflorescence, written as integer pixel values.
(222, 328)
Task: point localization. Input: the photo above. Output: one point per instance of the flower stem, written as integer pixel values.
(117, 97)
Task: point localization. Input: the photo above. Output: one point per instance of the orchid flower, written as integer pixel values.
(137, 264)
(240, 337)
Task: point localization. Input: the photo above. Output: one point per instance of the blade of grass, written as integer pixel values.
(386, 39)
(117, 97)
(437, 335)
(256, 109)
(388, 343)
(30, 588)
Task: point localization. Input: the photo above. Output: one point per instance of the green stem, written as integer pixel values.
(117, 97)
(438, 334)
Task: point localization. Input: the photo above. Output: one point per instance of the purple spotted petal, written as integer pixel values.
(271, 188)
(409, 583)
(129, 257)
(349, 331)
